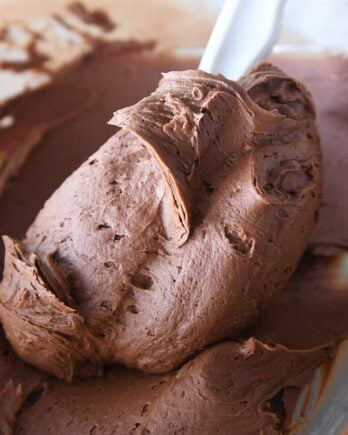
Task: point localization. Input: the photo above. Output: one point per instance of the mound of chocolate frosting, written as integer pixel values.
(174, 233)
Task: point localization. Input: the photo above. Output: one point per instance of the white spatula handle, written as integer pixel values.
(244, 34)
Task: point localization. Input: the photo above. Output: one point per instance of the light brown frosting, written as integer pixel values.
(18, 382)
(174, 233)
(229, 388)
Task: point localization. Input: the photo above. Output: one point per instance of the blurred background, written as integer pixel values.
(188, 23)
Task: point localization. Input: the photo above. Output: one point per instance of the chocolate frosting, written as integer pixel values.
(18, 382)
(174, 233)
(229, 388)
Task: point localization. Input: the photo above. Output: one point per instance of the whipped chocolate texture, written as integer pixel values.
(229, 388)
(174, 233)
